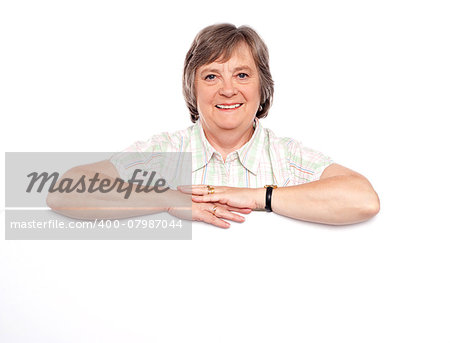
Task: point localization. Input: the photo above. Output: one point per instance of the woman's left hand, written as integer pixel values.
(245, 198)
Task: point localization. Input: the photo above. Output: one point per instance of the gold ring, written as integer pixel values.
(210, 189)
(214, 210)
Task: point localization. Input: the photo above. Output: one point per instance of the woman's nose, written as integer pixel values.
(228, 89)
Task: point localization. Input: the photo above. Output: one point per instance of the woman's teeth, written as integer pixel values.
(228, 106)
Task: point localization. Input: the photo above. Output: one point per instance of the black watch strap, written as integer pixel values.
(269, 189)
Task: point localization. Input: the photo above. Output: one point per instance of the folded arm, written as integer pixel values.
(341, 196)
(113, 204)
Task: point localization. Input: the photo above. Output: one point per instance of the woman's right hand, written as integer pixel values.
(204, 212)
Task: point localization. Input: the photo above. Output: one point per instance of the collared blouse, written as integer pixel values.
(264, 159)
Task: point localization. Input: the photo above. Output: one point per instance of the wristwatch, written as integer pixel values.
(269, 189)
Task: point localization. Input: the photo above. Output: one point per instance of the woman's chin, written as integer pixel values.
(228, 125)
(228, 121)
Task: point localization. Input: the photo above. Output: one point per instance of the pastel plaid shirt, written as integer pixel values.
(264, 159)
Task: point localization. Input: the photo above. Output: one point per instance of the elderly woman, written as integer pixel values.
(237, 165)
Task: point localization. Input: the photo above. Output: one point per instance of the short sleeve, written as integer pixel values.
(162, 156)
(305, 164)
(141, 154)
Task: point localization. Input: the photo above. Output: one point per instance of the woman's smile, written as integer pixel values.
(228, 107)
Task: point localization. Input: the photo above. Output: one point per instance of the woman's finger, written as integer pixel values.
(238, 209)
(206, 198)
(222, 212)
(210, 218)
(205, 213)
(214, 213)
(198, 189)
(190, 189)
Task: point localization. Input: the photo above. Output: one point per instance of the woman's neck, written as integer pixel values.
(228, 140)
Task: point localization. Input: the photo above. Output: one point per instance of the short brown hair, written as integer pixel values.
(220, 41)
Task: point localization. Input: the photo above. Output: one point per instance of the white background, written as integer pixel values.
(366, 82)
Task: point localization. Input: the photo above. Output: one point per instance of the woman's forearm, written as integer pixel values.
(337, 200)
(107, 205)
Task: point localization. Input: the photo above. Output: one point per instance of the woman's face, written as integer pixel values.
(228, 94)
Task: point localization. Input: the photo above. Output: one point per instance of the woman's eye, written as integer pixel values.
(242, 75)
(210, 77)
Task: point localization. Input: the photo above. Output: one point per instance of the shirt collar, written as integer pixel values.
(249, 154)
(202, 150)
